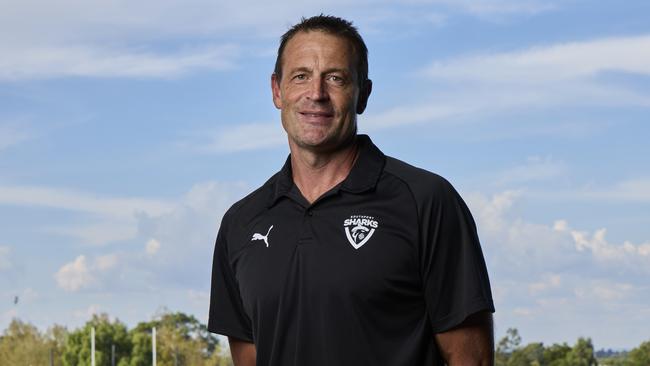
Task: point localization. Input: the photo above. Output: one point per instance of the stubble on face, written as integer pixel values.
(318, 92)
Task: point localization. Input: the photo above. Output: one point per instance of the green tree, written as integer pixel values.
(107, 334)
(556, 354)
(55, 339)
(180, 340)
(582, 354)
(530, 355)
(506, 346)
(141, 343)
(639, 356)
(22, 344)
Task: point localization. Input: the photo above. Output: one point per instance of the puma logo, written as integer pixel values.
(257, 236)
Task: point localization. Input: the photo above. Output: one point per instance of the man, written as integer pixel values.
(346, 256)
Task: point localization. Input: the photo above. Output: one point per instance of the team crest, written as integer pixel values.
(359, 229)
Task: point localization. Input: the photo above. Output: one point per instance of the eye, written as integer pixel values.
(299, 77)
(336, 79)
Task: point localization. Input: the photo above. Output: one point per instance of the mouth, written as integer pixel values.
(317, 114)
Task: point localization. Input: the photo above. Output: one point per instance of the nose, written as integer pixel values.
(318, 90)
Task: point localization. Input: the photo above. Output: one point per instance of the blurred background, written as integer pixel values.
(128, 128)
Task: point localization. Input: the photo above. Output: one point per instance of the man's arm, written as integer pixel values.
(243, 353)
(470, 343)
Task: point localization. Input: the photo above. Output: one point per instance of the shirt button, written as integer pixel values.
(310, 212)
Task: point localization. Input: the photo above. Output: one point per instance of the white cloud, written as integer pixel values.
(490, 211)
(75, 275)
(545, 276)
(32, 62)
(80, 201)
(604, 291)
(524, 258)
(73, 20)
(80, 274)
(5, 263)
(551, 64)
(115, 218)
(472, 88)
(437, 110)
(186, 235)
(121, 39)
(480, 101)
(187, 226)
(212, 198)
(447, 109)
(634, 190)
(444, 110)
(630, 191)
(46, 40)
(547, 250)
(105, 262)
(105, 19)
(152, 247)
(101, 233)
(628, 254)
(187, 230)
(241, 137)
(560, 225)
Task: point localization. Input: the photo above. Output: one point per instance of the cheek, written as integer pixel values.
(294, 93)
(347, 107)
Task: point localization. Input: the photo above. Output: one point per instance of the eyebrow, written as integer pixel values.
(327, 71)
(334, 69)
(300, 69)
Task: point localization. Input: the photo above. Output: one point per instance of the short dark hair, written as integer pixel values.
(331, 25)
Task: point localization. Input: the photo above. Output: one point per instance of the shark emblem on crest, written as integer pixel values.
(359, 229)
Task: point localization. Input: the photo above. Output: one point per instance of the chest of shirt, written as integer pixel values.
(367, 251)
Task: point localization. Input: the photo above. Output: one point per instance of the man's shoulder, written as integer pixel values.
(419, 181)
(254, 202)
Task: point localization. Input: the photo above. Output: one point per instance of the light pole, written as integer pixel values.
(153, 346)
(92, 346)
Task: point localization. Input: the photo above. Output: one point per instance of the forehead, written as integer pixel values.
(317, 46)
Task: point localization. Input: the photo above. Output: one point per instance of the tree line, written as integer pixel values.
(510, 352)
(180, 340)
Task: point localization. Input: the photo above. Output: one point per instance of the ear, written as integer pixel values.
(364, 94)
(275, 89)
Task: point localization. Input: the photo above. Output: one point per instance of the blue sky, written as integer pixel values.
(127, 129)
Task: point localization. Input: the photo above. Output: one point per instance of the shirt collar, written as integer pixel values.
(364, 175)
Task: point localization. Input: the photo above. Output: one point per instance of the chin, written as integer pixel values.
(312, 144)
(315, 138)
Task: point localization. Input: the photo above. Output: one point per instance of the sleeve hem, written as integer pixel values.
(454, 319)
(231, 332)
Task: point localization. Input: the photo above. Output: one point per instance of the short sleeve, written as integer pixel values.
(227, 315)
(454, 273)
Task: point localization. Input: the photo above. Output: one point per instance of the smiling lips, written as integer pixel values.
(316, 116)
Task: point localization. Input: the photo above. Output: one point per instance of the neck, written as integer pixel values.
(315, 173)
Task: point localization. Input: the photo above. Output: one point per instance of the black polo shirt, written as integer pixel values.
(363, 276)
